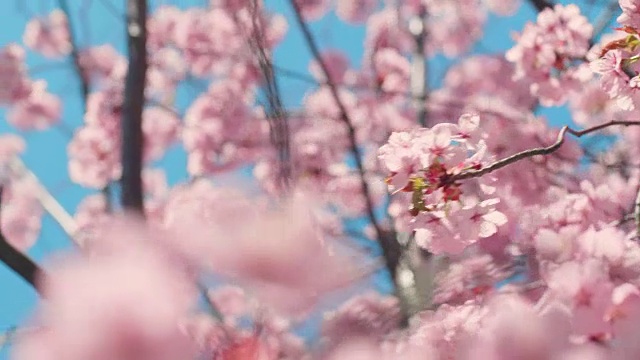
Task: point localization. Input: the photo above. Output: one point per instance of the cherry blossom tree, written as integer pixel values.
(502, 236)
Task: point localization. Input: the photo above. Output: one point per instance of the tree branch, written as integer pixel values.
(75, 55)
(276, 115)
(541, 4)
(17, 261)
(132, 138)
(391, 249)
(418, 29)
(536, 151)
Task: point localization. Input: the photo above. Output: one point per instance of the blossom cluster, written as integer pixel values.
(544, 53)
(445, 216)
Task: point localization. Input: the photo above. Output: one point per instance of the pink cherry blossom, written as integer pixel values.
(355, 11)
(160, 128)
(10, 146)
(49, 35)
(560, 35)
(94, 159)
(38, 111)
(313, 9)
(206, 38)
(102, 62)
(630, 13)
(13, 73)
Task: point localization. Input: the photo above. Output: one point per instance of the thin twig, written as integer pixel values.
(276, 116)
(213, 308)
(75, 54)
(536, 151)
(391, 249)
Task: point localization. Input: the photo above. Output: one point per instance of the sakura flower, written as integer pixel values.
(313, 9)
(160, 129)
(587, 290)
(162, 26)
(630, 13)
(366, 316)
(38, 111)
(205, 38)
(355, 11)
(615, 80)
(545, 50)
(49, 35)
(21, 214)
(94, 159)
(484, 219)
(13, 74)
(10, 146)
(102, 62)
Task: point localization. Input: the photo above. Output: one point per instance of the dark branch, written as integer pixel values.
(17, 261)
(132, 138)
(541, 4)
(537, 151)
(390, 247)
(75, 54)
(277, 116)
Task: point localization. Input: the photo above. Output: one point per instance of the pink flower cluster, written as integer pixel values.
(445, 215)
(222, 130)
(618, 67)
(94, 151)
(49, 35)
(30, 105)
(21, 211)
(544, 53)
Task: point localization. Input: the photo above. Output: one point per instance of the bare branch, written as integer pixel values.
(537, 151)
(132, 137)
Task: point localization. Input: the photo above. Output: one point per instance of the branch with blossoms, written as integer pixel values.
(277, 117)
(82, 76)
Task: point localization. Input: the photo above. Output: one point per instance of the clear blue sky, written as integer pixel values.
(46, 152)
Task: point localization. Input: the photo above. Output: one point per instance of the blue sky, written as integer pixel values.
(97, 24)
